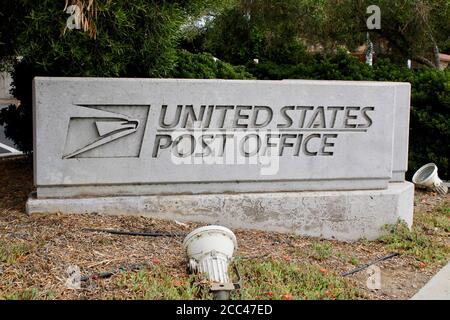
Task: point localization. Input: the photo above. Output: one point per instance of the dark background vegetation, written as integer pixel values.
(292, 39)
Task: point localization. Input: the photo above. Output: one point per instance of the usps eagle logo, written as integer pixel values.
(105, 131)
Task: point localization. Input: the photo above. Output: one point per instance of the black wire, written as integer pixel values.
(134, 233)
(391, 255)
(108, 274)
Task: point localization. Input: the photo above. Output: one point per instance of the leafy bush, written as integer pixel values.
(136, 38)
(140, 39)
(205, 66)
(430, 121)
(430, 99)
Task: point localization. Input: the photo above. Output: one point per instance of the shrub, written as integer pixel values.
(205, 66)
(140, 39)
(340, 66)
(430, 121)
(430, 99)
(136, 38)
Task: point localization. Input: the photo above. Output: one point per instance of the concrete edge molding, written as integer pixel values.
(340, 215)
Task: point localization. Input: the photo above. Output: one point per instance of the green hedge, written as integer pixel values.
(136, 38)
(205, 66)
(140, 39)
(430, 121)
(430, 99)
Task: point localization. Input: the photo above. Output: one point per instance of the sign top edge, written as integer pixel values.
(180, 80)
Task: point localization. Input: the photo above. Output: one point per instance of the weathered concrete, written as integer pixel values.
(99, 137)
(401, 129)
(438, 288)
(244, 154)
(5, 86)
(342, 215)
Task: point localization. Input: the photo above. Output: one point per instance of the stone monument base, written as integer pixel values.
(341, 215)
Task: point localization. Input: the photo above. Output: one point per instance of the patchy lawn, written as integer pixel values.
(36, 251)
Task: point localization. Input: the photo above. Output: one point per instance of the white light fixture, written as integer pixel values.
(427, 176)
(209, 250)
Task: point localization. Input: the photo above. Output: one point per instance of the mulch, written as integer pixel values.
(58, 241)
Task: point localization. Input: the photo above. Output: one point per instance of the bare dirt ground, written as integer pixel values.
(41, 247)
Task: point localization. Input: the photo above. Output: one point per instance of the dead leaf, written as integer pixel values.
(323, 270)
(287, 296)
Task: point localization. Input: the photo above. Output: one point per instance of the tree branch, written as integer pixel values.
(424, 61)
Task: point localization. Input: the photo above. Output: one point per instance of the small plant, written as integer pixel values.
(26, 294)
(271, 279)
(354, 260)
(437, 222)
(158, 284)
(10, 253)
(416, 242)
(321, 251)
(276, 279)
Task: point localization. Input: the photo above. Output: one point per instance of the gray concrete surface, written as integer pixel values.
(185, 150)
(342, 215)
(117, 133)
(438, 288)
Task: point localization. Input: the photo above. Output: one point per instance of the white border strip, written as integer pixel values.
(10, 149)
(10, 155)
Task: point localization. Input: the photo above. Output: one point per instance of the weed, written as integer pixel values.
(157, 283)
(275, 279)
(10, 253)
(321, 251)
(24, 294)
(354, 260)
(419, 242)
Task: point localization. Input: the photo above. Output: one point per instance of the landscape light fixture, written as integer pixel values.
(209, 250)
(427, 177)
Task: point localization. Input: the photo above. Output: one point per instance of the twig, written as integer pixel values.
(389, 256)
(110, 273)
(260, 256)
(134, 233)
(106, 262)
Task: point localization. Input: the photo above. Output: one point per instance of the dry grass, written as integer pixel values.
(35, 252)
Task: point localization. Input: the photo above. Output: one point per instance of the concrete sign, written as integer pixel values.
(139, 137)
(167, 136)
